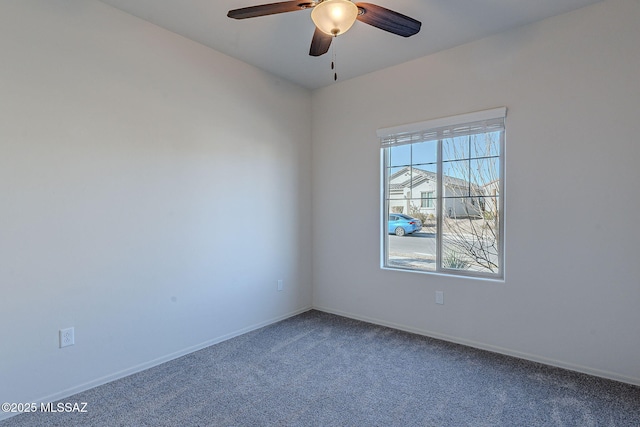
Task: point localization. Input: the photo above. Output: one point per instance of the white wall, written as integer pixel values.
(152, 192)
(572, 291)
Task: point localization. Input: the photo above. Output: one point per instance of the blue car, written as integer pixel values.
(401, 224)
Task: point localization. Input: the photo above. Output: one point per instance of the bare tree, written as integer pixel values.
(470, 224)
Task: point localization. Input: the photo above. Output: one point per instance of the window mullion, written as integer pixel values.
(386, 162)
(469, 166)
(440, 204)
(500, 210)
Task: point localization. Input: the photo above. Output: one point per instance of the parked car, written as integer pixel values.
(401, 224)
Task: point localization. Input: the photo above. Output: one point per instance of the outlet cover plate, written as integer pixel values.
(67, 337)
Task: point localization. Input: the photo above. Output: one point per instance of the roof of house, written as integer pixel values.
(417, 176)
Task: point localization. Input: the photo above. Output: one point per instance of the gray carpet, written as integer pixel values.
(318, 369)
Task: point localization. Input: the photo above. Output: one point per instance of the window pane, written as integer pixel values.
(485, 145)
(471, 242)
(425, 153)
(485, 175)
(456, 180)
(400, 155)
(398, 178)
(424, 180)
(456, 173)
(409, 245)
(455, 148)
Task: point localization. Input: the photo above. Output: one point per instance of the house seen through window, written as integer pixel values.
(443, 195)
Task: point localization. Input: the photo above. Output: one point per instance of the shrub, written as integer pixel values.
(489, 215)
(415, 212)
(455, 261)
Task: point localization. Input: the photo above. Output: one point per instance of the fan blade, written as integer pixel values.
(388, 20)
(320, 43)
(269, 9)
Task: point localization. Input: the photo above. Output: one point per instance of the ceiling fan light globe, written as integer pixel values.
(334, 17)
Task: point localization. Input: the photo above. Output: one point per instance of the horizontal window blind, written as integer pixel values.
(449, 127)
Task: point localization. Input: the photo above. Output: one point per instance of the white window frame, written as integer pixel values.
(438, 129)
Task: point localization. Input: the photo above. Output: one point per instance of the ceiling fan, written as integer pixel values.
(334, 17)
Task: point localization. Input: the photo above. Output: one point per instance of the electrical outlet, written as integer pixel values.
(280, 284)
(67, 337)
(439, 297)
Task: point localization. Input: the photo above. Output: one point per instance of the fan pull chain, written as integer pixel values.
(333, 60)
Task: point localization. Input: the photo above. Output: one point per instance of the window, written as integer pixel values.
(430, 202)
(427, 199)
(446, 176)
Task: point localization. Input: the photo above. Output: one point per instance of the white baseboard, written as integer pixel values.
(495, 349)
(155, 362)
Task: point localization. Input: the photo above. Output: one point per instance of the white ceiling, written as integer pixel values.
(280, 43)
